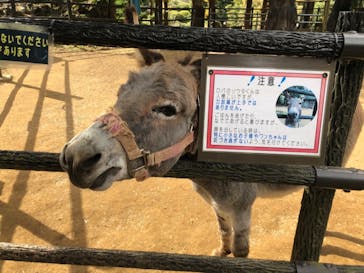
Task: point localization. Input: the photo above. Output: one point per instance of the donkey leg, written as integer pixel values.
(225, 232)
(223, 220)
(241, 228)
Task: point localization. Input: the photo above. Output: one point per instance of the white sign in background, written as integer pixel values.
(243, 106)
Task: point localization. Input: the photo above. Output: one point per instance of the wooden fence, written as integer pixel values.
(161, 261)
(316, 203)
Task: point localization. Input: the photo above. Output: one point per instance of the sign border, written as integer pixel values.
(251, 154)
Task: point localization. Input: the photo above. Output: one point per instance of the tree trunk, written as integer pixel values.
(165, 15)
(282, 15)
(339, 5)
(111, 12)
(308, 8)
(69, 9)
(158, 12)
(13, 8)
(198, 14)
(263, 16)
(212, 13)
(248, 15)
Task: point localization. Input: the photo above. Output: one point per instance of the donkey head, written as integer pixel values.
(155, 109)
(294, 110)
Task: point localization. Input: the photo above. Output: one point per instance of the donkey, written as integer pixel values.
(151, 125)
(294, 110)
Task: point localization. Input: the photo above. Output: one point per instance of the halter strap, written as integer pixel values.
(119, 129)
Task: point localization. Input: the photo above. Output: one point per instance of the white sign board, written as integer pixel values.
(270, 111)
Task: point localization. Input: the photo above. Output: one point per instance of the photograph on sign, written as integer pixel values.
(264, 111)
(24, 44)
(296, 106)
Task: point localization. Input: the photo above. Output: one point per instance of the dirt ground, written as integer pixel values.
(40, 111)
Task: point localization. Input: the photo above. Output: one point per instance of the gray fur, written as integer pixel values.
(140, 103)
(232, 202)
(294, 111)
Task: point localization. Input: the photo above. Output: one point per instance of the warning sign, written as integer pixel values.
(264, 111)
(24, 43)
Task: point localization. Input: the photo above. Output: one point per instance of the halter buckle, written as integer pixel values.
(140, 173)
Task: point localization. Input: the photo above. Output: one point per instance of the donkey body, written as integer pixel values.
(159, 106)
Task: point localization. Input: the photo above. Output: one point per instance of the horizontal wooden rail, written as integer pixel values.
(318, 44)
(322, 177)
(160, 261)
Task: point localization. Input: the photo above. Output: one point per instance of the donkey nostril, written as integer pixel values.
(89, 162)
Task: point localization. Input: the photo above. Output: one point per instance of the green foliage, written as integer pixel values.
(220, 4)
(182, 13)
(180, 4)
(230, 13)
(100, 8)
(235, 13)
(146, 15)
(359, 4)
(119, 13)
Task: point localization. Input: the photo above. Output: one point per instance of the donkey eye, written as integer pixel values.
(167, 110)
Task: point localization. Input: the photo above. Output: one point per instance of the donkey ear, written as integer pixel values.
(287, 94)
(196, 72)
(131, 15)
(193, 67)
(149, 57)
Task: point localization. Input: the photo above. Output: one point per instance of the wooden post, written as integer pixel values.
(198, 14)
(282, 15)
(308, 8)
(339, 5)
(151, 10)
(13, 8)
(325, 15)
(263, 15)
(69, 9)
(165, 15)
(316, 203)
(158, 13)
(248, 15)
(109, 7)
(212, 13)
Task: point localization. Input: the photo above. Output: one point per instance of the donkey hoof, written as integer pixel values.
(221, 252)
(242, 253)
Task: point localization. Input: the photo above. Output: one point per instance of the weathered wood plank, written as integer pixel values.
(296, 175)
(155, 260)
(317, 44)
(34, 161)
(303, 175)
